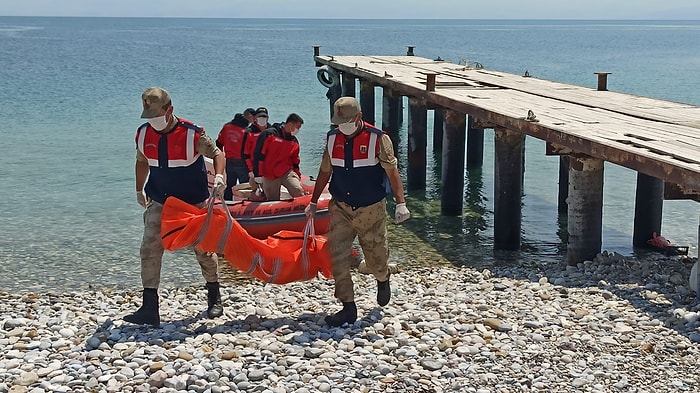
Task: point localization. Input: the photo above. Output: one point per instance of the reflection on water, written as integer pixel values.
(429, 238)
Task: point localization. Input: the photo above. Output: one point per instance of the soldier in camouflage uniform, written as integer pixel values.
(360, 159)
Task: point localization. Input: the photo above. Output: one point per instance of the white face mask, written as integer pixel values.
(294, 131)
(159, 123)
(348, 128)
(261, 121)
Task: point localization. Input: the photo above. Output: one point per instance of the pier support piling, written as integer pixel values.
(333, 94)
(475, 145)
(562, 207)
(585, 214)
(417, 143)
(452, 180)
(367, 101)
(348, 83)
(508, 162)
(391, 120)
(438, 126)
(648, 208)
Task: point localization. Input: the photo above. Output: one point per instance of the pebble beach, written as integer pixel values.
(614, 324)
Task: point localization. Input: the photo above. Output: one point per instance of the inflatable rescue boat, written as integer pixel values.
(262, 219)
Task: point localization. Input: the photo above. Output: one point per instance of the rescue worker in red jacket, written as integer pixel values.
(230, 139)
(250, 138)
(360, 159)
(276, 158)
(170, 162)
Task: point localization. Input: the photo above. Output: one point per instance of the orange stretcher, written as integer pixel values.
(281, 258)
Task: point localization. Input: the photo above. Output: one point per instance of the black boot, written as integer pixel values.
(148, 313)
(383, 292)
(214, 307)
(347, 314)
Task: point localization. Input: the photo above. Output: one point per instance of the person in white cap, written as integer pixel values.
(360, 158)
(170, 162)
(276, 158)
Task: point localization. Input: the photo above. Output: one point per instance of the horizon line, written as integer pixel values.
(335, 18)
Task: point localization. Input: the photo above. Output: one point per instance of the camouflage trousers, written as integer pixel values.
(152, 250)
(290, 180)
(368, 224)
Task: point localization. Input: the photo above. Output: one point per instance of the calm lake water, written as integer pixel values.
(71, 103)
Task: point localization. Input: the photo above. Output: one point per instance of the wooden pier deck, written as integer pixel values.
(654, 137)
(584, 126)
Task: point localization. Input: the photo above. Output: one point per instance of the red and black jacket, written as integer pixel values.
(230, 137)
(276, 152)
(250, 139)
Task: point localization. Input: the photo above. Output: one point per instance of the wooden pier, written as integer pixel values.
(584, 126)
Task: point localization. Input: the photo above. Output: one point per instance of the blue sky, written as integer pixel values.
(362, 9)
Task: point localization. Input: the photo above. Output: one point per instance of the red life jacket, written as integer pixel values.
(365, 149)
(278, 154)
(250, 139)
(358, 178)
(175, 166)
(231, 138)
(182, 144)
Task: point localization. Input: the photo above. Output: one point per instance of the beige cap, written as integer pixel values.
(344, 109)
(154, 99)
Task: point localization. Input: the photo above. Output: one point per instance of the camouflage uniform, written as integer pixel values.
(152, 250)
(367, 223)
(152, 245)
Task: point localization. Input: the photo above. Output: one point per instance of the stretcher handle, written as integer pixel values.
(211, 203)
(309, 233)
(227, 230)
(276, 268)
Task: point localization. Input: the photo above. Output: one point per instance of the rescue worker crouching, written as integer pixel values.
(276, 159)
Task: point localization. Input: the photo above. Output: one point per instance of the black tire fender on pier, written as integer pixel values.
(328, 76)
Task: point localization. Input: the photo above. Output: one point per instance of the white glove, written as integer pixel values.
(310, 210)
(219, 185)
(141, 198)
(258, 179)
(402, 214)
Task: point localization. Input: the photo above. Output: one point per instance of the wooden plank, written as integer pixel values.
(644, 107)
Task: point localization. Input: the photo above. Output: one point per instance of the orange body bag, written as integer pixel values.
(284, 257)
